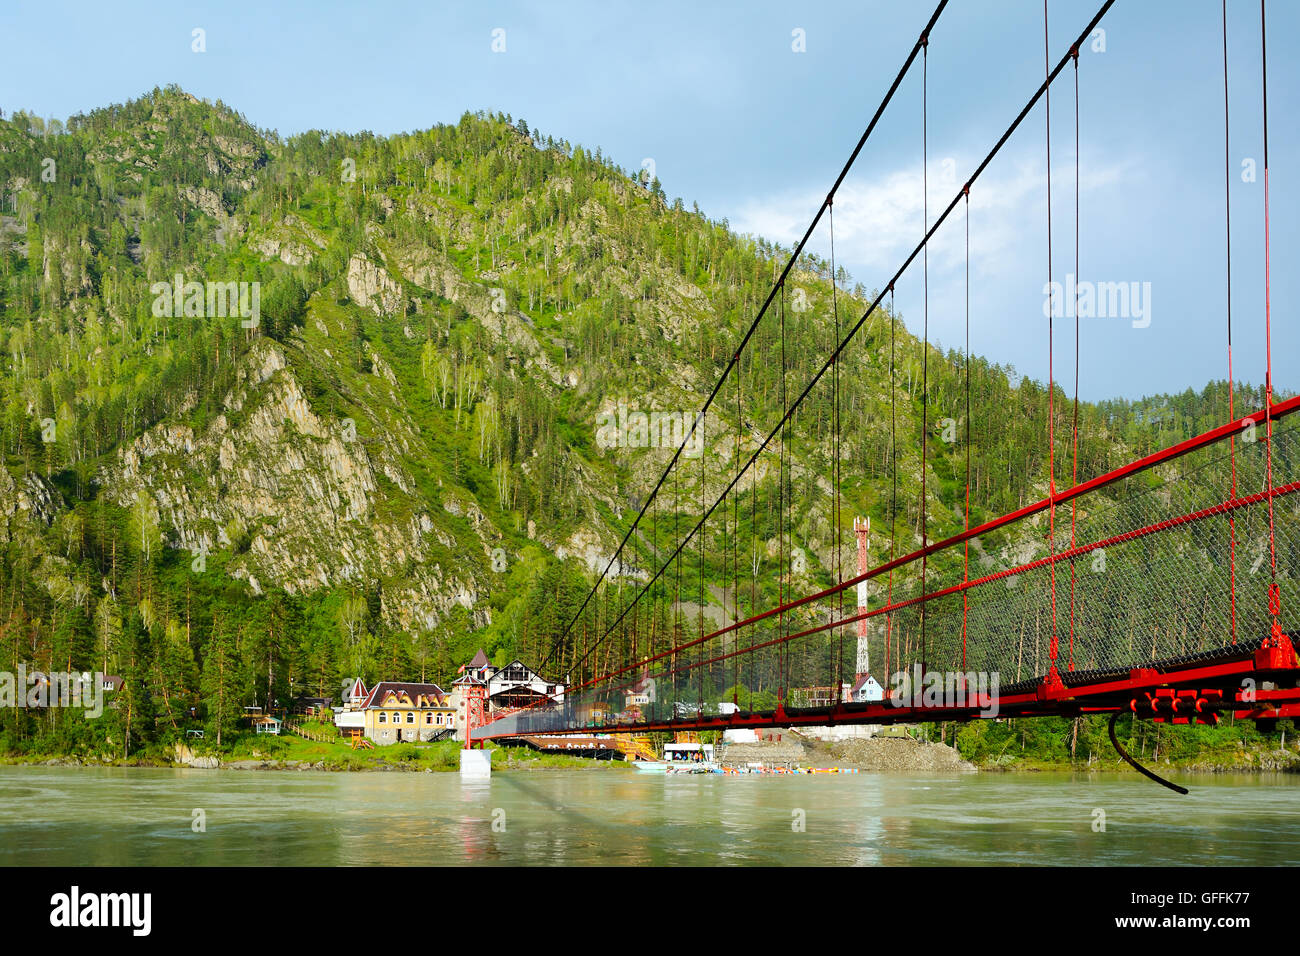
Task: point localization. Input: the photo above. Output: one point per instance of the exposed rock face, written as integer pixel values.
(287, 251)
(205, 199)
(298, 498)
(26, 505)
(371, 287)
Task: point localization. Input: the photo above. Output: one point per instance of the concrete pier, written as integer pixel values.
(476, 763)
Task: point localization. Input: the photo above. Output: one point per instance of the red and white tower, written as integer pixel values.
(473, 695)
(862, 669)
(865, 687)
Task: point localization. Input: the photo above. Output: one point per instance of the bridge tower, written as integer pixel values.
(862, 667)
(865, 687)
(473, 695)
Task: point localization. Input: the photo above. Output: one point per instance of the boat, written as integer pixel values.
(681, 758)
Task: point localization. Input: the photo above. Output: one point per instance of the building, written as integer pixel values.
(354, 694)
(468, 693)
(640, 694)
(348, 717)
(513, 686)
(395, 712)
(311, 706)
(268, 725)
(866, 689)
(516, 685)
(505, 688)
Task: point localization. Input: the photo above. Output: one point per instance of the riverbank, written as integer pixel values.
(870, 755)
(1242, 763)
(301, 754)
(905, 754)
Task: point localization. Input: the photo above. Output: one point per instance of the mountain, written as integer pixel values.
(405, 451)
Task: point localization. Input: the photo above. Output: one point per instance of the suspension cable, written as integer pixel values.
(1051, 384)
(1274, 597)
(1074, 428)
(753, 326)
(893, 461)
(965, 559)
(781, 506)
(925, 342)
(1227, 237)
(835, 388)
(908, 260)
(735, 525)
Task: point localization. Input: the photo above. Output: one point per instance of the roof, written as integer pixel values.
(480, 659)
(642, 685)
(499, 676)
(356, 689)
(379, 693)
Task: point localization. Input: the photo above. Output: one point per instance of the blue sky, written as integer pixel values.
(736, 120)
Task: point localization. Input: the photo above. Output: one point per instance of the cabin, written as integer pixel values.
(311, 706)
(866, 689)
(268, 725)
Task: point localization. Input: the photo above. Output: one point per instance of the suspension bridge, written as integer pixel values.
(1164, 588)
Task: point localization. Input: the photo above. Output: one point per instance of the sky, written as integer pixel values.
(750, 110)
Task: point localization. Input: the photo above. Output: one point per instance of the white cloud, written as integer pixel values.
(878, 223)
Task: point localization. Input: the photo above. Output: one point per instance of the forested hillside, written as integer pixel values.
(400, 460)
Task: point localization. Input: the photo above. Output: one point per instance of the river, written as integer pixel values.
(139, 816)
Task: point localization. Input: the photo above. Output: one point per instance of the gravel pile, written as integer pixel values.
(786, 753)
(896, 755)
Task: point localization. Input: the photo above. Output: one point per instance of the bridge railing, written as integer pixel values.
(1155, 564)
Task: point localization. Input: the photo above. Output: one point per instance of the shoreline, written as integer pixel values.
(302, 766)
(252, 764)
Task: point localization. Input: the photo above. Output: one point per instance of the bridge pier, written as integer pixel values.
(475, 764)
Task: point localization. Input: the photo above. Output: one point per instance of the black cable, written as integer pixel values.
(997, 147)
(1134, 764)
(835, 379)
(925, 341)
(794, 257)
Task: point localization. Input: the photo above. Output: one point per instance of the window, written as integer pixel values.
(382, 717)
(428, 718)
(410, 717)
(516, 672)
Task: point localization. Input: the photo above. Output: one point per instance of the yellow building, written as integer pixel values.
(398, 712)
